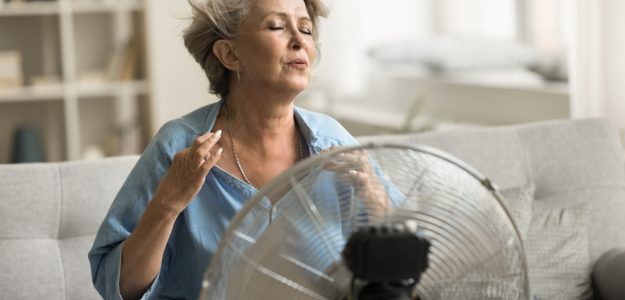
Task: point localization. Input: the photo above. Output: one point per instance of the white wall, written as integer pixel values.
(177, 83)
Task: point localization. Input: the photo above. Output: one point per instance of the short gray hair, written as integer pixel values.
(215, 20)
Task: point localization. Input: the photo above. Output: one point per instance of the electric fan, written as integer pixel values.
(382, 210)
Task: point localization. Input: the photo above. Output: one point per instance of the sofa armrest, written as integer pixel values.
(608, 275)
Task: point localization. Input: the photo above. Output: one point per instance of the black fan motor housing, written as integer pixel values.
(386, 254)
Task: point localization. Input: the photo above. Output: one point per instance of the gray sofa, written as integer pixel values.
(49, 213)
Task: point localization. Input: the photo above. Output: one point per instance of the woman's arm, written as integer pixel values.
(142, 251)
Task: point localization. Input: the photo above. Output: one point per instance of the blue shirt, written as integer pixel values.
(198, 229)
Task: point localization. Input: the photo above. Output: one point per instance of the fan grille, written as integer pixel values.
(292, 251)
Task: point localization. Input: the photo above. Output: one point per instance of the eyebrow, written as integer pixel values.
(283, 14)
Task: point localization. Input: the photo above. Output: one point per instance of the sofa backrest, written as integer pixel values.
(49, 215)
(570, 162)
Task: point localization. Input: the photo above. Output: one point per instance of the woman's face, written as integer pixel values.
(275, 45)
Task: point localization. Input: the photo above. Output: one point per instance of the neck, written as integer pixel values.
(263, 130)
(256, 117)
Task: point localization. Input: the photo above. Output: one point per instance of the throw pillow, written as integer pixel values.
(519, 200)
(557, 254)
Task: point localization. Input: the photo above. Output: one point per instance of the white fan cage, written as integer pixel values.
(292, 249)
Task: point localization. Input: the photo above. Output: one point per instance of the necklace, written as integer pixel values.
(299, 139)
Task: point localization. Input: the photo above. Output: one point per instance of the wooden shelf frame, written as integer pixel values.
(71, 91)
(39, 8)
(86, 90)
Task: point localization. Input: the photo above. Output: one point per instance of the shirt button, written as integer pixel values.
(273, 210)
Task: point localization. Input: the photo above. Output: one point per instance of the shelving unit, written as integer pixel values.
(76, 6)
(68, 38)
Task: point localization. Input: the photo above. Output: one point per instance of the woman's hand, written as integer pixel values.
(187, 173)
(369, 190)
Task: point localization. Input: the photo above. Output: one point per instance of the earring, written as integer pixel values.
(238, 75)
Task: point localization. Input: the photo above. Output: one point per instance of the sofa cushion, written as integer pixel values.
(31, 269)
(557, 254)
(30, 205)
(78, 283)
(88, 189)
(519, 201)
(49, 215)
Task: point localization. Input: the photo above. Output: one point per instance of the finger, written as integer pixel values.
(208, 164)
(201, 139)
(359, 176)
(351, 157)
(202, 153)
(340, 167)
(331, 148)
(334, 166)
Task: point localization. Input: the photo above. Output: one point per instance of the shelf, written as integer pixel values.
(93, 6)
(29, 93)
(29, 8)
(85, 90)
(78, 6)
(110, 89)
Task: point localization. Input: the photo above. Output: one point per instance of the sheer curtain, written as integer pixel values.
(598, 61)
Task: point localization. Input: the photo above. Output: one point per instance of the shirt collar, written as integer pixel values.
(305, 128)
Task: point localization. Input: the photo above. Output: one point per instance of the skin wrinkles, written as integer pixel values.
(264, 53)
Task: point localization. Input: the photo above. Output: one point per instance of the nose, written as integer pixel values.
(298, 41)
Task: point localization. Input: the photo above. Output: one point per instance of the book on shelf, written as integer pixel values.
(128, 72)
(11, 69)
(45, 80)
(122, 63)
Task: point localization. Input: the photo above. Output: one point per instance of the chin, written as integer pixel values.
(297, 86)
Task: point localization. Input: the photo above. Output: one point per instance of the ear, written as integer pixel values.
(224, 50)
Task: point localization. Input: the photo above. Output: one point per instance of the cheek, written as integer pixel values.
(312, 54)
(260, 50)
(269, 45)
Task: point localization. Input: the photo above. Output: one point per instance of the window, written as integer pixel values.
(476, 19)
(543, 24)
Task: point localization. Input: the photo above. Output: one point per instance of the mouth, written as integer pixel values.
(298, 63)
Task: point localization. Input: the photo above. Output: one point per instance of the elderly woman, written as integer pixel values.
(166, 221)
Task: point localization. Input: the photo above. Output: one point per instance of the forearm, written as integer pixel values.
(142, 252)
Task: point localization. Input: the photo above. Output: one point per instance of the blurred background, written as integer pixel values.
(83, 79)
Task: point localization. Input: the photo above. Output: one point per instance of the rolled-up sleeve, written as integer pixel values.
(123, 216)
(109, 270)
